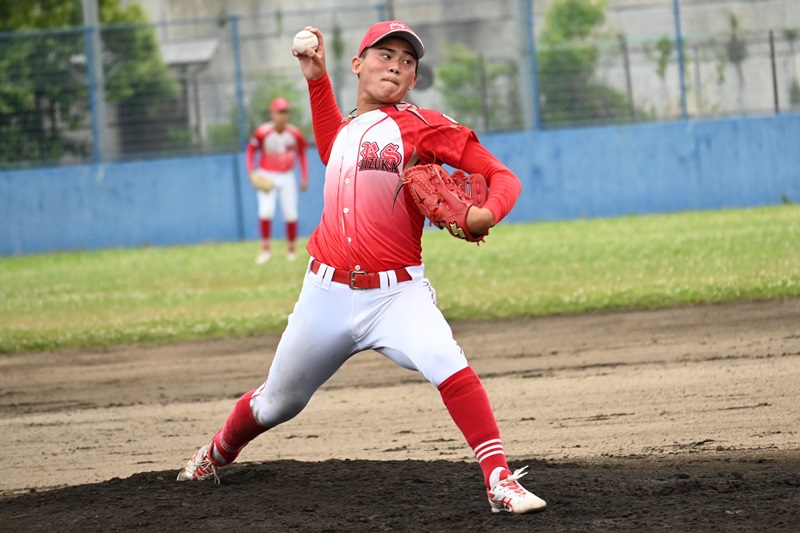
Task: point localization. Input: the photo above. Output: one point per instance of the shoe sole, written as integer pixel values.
(531, 510)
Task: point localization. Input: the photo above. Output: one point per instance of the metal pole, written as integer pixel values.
(237, 60)
(242, 133)
(623, 44)
(528, 69)
(774, 73)
(679, 44)
(97, 84)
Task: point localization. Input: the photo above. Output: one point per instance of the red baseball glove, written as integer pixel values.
(446, 199)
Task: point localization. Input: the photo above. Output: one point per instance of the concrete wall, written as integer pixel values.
(596, 172)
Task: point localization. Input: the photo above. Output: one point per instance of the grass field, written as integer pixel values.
(93, 299)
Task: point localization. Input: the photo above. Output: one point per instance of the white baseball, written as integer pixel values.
(302, 39)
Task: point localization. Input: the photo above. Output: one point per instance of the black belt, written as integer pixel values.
(356, 279)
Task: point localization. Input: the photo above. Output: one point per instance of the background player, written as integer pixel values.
(279, 144)
(365, 286)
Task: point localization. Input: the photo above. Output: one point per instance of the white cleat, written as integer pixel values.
(263, 257)
(508, 495)
(200, 467)
(291, 256)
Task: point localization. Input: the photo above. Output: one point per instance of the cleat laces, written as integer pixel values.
(507, 489)
(203, 470)
(508, 495)
(200, 467)
(519, 473)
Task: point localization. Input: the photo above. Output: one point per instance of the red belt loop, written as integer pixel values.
(358, 280)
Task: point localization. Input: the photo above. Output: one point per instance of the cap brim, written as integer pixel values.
(412, 38)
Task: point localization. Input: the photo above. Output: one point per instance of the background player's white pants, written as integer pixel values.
(332, 322)
(286, 188)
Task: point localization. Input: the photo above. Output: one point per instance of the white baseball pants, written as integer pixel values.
(286, 188)
(332, 322)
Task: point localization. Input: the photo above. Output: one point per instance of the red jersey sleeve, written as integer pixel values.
(326, 117)
(252, 147)
(504, 185)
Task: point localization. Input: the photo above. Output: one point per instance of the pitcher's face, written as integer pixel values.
(386, 72)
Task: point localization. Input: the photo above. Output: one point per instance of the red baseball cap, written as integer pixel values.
(389, 28)
(279, 104)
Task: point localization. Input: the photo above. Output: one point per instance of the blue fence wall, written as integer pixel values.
(609, 171)
(654, 168)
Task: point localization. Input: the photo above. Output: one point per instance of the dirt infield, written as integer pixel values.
(673, 420)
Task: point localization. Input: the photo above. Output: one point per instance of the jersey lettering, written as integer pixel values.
(391, 153)
(379, 164)
(369, 150)
(386, 160)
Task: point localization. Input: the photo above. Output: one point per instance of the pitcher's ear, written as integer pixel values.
(356, 65)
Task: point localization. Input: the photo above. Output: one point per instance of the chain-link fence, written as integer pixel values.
(183, 87)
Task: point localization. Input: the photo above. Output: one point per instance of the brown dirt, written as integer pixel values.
(681, 420)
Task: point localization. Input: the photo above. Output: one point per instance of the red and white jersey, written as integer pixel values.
(368, 222)
(279, 149)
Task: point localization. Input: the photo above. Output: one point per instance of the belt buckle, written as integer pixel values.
(353, 274)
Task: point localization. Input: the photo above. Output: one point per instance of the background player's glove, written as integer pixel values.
(261, 182)
(446, 199)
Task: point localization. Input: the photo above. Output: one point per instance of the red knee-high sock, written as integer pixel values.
(291, 235)
(468, 404)
(266, 232)
(240, 428)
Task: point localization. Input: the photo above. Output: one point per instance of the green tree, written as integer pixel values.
(567, 61)
(791, 36)
(794, 95)
(664, 49)
(736, 52)
(472, 90)
(270, 86)
(661, 54)
(44, 94)
(38, 92)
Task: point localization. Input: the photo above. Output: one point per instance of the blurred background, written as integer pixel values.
(103, 80)
(124, 122)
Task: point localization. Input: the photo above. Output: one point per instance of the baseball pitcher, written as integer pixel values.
(365, 286)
